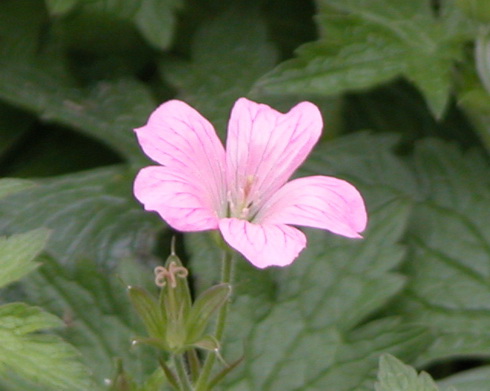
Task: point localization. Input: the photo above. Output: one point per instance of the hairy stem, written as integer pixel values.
(226, 277)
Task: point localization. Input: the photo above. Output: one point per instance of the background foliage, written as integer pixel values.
(403, 86)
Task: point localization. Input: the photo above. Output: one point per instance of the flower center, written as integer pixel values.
(243, 204)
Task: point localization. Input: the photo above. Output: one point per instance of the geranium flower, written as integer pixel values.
(244, 191)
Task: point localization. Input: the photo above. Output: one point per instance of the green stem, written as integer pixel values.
(226, 277)
(182, 374)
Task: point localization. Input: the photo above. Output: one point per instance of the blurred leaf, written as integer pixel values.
(92, 216)
(17, 253)
(407, 114)
(21, 23)
(43, 358)
(472, 380)
(393, 375)
(60, 7)
(13, 127)
(10, 186)
(156, 21)
(368, 42)
(450, 247)
(38, 81)
(108, 111)
(97, 314)
(220, 73)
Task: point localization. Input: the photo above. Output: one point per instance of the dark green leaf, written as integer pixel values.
(450, 246)
(367, 42)
(221, 73)
(92, 216)
(97, 314)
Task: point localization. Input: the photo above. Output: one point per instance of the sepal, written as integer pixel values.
(149, 311)
(204, 307)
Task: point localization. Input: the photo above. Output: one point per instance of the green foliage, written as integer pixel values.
(42, 358)
(218, 75)
(108, 223)
(395, 376)
(416, 286)
(97, 313)
(403, 39)
(17, 253)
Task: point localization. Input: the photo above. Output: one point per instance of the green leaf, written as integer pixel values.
(368, 42)
(450, 247)
(156, 21)
(10, 186)
(92, 216)
(17, 253)
(97, 313)
(37, 79)
(219, 74)
(477, 379)
(393, 375)
(107, 111)
(42, 358)
(60, 7)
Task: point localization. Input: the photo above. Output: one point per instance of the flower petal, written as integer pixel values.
(263, 244)
(320, 202)
(177, 136)
(264, 147)
(180, 201)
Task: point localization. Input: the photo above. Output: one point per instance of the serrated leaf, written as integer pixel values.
(219, 74)
(17, 254)
(368, 42)
(42, 358)
(393, 375)
(450, 248)
(97, 313)
(477, 379)
(92, 215)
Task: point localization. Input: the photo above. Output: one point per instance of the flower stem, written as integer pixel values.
(182, 374)
(226, 277)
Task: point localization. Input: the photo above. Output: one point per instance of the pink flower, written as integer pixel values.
(244, 191)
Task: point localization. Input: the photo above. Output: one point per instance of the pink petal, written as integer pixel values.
(319, 202)
(177, 136)
(263, 244)
(179, 200)
(264, 147)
